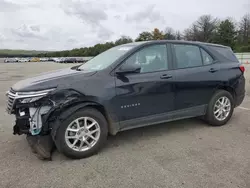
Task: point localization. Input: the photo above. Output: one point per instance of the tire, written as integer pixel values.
(62, 143)
(210, 116)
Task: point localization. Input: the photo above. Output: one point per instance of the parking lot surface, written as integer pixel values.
(187, 153)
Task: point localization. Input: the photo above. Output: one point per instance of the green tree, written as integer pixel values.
(144, 36)
(123, 40)
(226, 34)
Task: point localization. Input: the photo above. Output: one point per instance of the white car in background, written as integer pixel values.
(44, 59)
(10, 60)
(57, 60)
(23, 60)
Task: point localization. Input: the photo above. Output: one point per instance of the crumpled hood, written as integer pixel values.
(49, 80)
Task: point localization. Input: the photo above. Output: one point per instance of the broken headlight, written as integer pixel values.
(29, 97)
(30, 100)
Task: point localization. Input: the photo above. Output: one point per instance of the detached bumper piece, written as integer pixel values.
(42, 146)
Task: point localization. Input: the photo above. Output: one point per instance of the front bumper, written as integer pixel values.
(29, 108)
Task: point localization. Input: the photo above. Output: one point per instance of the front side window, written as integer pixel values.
(187, 56)
(151, 59)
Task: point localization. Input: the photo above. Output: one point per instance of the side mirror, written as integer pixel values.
(75, 67)
(128, 69)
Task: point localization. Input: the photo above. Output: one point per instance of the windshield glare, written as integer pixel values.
(106, 58)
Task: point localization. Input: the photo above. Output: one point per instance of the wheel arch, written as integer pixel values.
(71, 108)
(229, 89)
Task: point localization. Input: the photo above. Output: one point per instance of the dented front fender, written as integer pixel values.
(66, 102)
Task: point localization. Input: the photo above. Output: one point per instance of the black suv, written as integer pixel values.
(125, 87)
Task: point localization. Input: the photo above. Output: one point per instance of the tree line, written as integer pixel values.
(205, 29)
(20, 53)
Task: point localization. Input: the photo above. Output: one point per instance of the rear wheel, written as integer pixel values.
(220, 108)
(82, 134)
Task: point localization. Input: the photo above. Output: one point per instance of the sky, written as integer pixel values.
(68, 24)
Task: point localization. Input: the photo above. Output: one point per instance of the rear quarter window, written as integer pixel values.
(225, 52)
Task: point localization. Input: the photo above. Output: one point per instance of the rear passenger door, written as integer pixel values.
(197, 76)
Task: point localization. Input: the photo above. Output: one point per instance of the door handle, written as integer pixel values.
(166, 76)
(213, 70)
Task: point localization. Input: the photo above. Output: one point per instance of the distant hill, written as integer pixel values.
(20, 53)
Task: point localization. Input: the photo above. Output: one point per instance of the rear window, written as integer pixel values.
(227, 53)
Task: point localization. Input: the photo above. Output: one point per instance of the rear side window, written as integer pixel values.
(187, 56)
(207, 59)
(227, 53)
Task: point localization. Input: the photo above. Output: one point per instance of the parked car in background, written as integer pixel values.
(11, 60)
(35, 59)
(128, 86)
(23, 60)
(58, 59)
(61, 60)
(55, 59)
(79, 60)
(50, 59)
(69, 60)
(44, 59)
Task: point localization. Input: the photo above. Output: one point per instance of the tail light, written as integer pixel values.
(242, 68)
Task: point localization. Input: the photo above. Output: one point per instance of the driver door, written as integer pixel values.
(149, 93)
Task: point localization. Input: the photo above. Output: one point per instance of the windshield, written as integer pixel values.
(106, 58)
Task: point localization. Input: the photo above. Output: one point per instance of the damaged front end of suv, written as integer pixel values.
(35, 114)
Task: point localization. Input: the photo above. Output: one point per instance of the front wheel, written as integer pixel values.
(220, 108)
(82, 134)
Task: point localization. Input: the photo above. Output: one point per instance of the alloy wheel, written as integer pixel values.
(82, 134)
(222, 108)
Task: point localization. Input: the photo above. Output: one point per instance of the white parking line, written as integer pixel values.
(243, 108)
